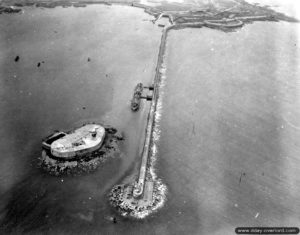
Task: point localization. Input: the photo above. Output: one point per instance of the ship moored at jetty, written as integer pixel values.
(136, 99)
(138, 95)
(79, 150)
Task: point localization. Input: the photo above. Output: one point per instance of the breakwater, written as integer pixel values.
(140, 184)
(138, 190)
(190, 19)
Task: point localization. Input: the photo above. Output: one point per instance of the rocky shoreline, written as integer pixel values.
(183, 13)
(88, 163)
(154, 196)
(122, 200)
(9, 10)
(222, 17)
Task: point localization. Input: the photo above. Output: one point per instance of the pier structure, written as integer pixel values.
(145, 194)
(139, 186)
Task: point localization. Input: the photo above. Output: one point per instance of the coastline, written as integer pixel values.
(179, 13)
(126, 197)
(210, 17)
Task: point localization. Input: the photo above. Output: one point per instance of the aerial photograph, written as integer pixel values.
(149, 117)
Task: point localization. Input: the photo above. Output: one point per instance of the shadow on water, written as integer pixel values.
(43, 203)
(34, 204)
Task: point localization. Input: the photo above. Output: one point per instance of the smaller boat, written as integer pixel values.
(136, 100)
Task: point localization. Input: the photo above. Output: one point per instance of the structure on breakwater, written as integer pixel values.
(137, 199)
(147, 193)
(78, 143)
(139, 186)
(80, 150)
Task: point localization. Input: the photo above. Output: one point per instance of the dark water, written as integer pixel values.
(229, 130)
(75, 65)
(229, 147)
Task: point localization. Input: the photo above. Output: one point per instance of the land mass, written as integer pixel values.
(140, 198)
(179, 13)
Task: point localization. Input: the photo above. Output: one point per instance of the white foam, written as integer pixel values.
(160, 187)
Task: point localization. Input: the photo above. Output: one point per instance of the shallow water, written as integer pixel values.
(90, 61)
(229, 146)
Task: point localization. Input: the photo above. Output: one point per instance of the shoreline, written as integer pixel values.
(125, 197)
(239, 9)
(210, 17)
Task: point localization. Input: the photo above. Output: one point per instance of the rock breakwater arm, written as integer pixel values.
(138, 190)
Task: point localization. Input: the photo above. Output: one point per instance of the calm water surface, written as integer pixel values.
(230, 128)
(66, 90)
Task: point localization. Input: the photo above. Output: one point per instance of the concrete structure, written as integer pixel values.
(139, 186)
(224, 23)
(83, 140)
